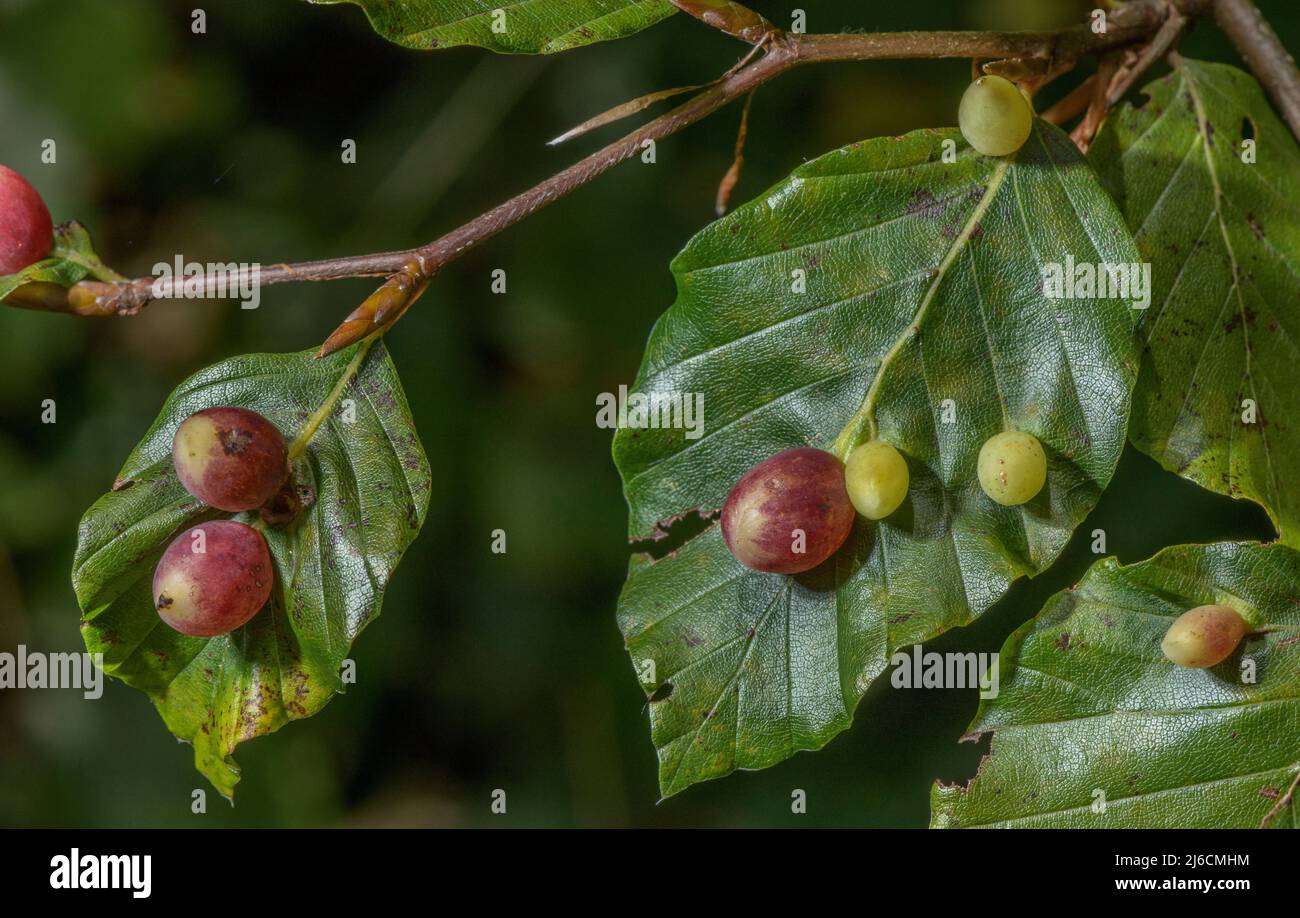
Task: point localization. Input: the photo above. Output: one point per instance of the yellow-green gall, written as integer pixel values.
(994, 116)
(876, 477)
(1012, 467)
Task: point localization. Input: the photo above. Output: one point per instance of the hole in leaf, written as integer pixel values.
(674, 532)
(1140, 100)
(663, 693)
(1247, 129)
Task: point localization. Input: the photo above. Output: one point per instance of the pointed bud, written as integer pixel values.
(379, 310)
(41, 296)
(728, 16)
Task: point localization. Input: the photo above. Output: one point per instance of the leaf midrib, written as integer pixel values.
(865, 417)
(733, 680)
(1202, 122)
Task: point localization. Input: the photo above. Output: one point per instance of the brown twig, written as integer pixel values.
(1259, 46)
(97, 298)
(780, 52)
(1130, 23)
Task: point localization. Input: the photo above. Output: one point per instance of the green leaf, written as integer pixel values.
(1223, 239)
(922, 285)
(1089, 708)
(71, 259)
(367, 474)
(509, 26)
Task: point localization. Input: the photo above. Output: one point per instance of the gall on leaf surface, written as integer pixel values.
(367, 482)
(923, 285)
(72, 258)
(1094, 727)
(1223, 239)
(527, 26)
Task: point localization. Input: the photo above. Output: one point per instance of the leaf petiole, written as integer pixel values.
(300, 442)
(862, 426)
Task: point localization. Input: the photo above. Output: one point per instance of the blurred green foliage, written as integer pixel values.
(485, 671)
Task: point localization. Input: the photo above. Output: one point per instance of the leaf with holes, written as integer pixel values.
(364, 480)
(509, 26)
(1093, 727)
(1215, 399)
(879, 290)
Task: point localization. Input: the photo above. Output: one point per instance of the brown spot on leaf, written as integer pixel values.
(924, 203)
(1245, 314)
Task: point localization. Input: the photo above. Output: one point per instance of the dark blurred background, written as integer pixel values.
(485, 671)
